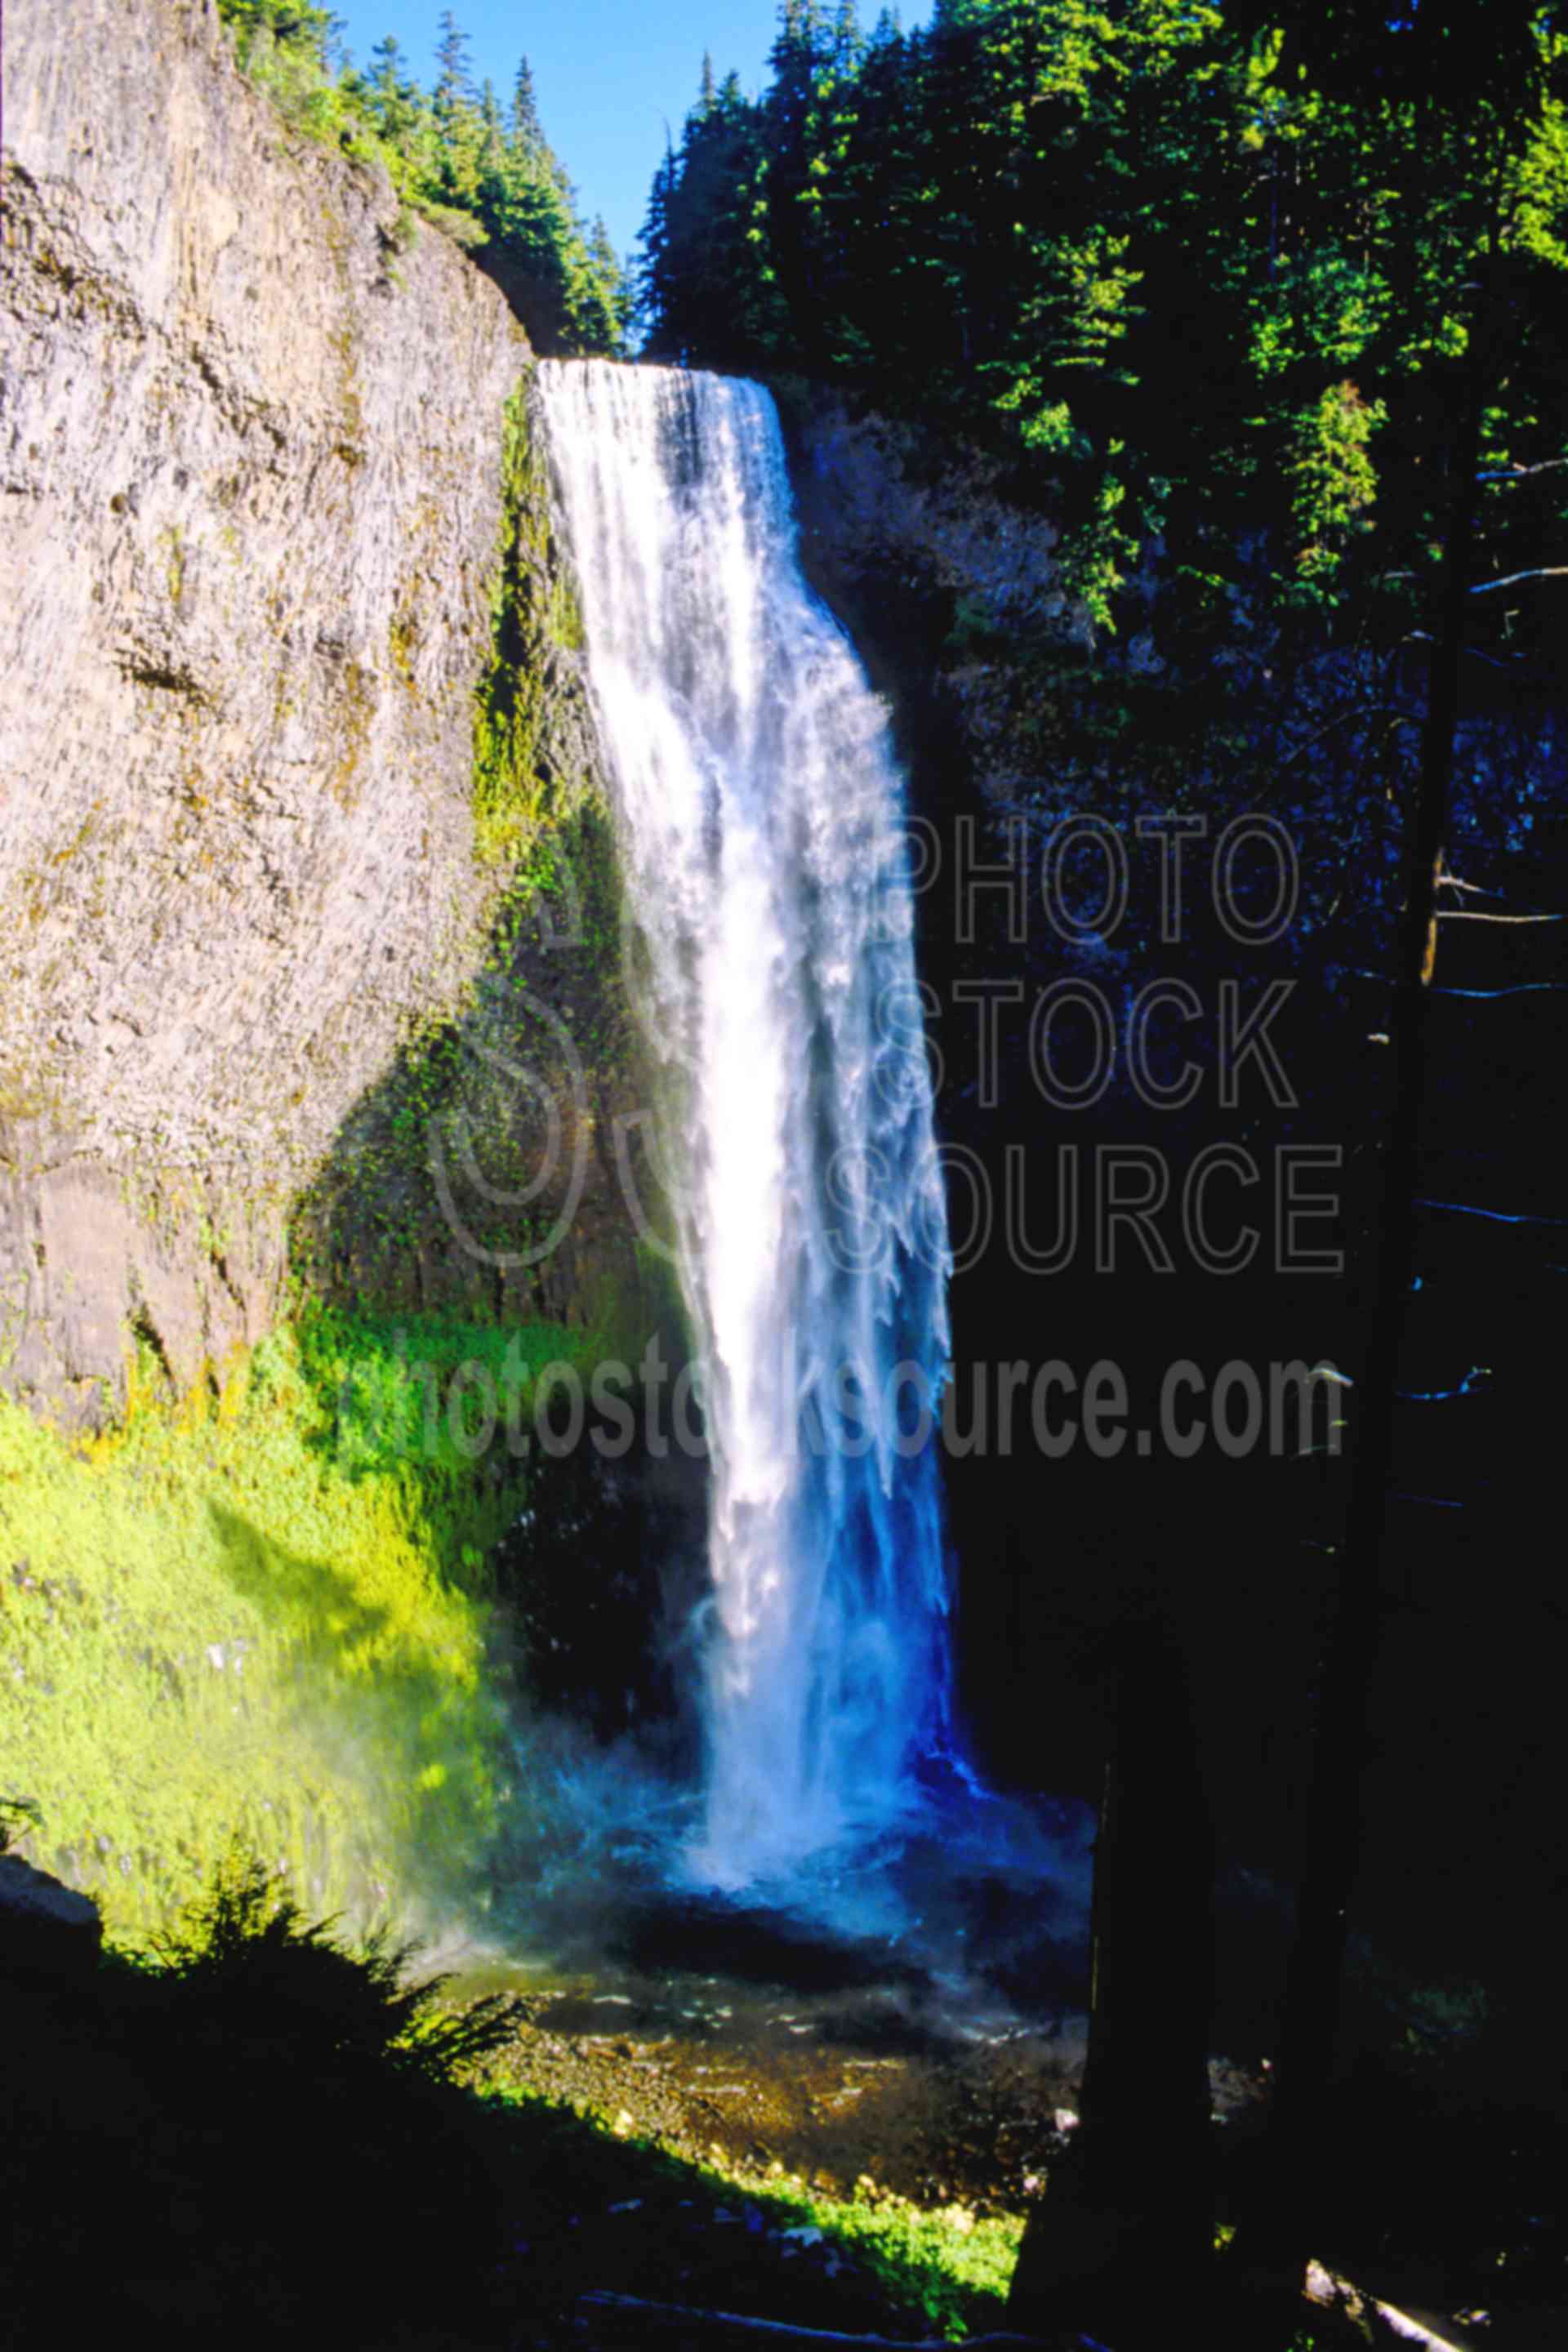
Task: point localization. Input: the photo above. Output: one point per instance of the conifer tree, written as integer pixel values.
(525, 125)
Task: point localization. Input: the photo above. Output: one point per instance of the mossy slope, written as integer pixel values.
(266, 1613)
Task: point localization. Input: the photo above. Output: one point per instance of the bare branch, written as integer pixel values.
(1475, 915)
(1492, 1216)
(1425, 638)
(1477, 995)
(1523, 988)
(1547, 572)
(1521, 473)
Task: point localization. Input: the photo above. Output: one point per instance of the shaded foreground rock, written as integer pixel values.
(43, 1925)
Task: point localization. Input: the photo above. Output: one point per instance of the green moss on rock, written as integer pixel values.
(267, 1615)
(526, 779)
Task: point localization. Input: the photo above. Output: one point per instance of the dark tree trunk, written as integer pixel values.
(1277, 2237)
(1123, 2237)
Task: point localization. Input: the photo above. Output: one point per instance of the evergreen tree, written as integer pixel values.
(491, 138)
(291, 23)
(459, 129)
(454, 81)
(392, 99)
(699, 286)
(526, 132)
(849, 42)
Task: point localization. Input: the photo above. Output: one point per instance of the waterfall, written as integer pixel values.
(762, 817)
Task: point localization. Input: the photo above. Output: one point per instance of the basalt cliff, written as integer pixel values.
(302, 860)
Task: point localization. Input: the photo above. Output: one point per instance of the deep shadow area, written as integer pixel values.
(259, 2136)
(1002, 721)
(479, 1176)
(1454, 2047)
(759, 1947)
(266, 2137)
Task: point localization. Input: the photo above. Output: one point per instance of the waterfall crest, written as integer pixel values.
(762, 812)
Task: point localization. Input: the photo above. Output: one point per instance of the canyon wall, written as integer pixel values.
(269, 497)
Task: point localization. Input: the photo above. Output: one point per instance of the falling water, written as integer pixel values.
(762, 814)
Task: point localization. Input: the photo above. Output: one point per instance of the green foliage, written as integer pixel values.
(951, 2265)
(266, 1613)
(1195, 277)
(944, 2266)
(406, 1392)
(293, 26)
(247, 1962)
(495, 188)
(463, 228)
(1332, 478)
(518, 796)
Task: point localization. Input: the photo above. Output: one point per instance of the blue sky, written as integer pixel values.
(609, 73)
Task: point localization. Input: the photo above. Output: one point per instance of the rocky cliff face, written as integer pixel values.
(257, 488)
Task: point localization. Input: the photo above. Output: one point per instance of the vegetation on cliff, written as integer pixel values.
(484, 174)
(521, 790)
(269, 1614)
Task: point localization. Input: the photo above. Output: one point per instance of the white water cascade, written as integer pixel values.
(762, 814)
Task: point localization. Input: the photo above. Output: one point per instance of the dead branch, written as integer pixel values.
(1477, 915)
(1521, 473)
(1546, 571)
